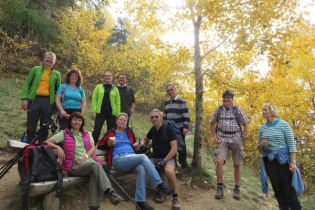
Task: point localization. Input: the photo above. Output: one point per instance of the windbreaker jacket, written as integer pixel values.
(33, 79)
(103, 144)
(97, 99)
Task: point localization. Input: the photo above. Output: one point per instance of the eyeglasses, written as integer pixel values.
(228, 97)
(154, 116)
(169, 90)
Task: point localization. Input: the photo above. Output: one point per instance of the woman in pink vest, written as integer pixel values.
(78, 159)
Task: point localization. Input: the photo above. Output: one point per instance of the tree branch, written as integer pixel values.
(213, 49)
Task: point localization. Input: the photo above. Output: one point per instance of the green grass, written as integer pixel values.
(13, 120)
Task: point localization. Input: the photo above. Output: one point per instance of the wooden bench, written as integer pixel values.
(48, 188)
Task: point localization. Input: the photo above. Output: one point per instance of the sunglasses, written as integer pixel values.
(169, 90)
(154, 116)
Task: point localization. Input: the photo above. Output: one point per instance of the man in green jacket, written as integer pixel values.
(38, 95)
(105, 106)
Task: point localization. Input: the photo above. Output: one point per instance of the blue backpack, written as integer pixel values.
(180, 140)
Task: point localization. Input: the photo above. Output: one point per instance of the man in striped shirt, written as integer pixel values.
(175, 108)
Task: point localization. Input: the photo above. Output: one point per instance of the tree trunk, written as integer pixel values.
(196, 161)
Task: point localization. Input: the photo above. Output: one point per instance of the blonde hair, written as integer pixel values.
(122, 114)
(273, 109)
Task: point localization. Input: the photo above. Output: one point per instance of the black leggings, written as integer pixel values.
(280, 178)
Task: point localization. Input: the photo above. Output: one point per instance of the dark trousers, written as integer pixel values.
(99, 122)
(128, 113)
(182, 155)
(280, 178)
(40, 109)
(63, 122)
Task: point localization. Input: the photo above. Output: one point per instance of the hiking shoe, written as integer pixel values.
(181, 171)
(160, 198)
(93, 208)
(144, 206)
(219, 194)
(236, 193)
(164, 189)
(175, 204)
(114, 197)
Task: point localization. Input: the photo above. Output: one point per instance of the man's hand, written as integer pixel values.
(131, 111)
(93, 116)
(160, 165)
(185, 130)
(24, 104)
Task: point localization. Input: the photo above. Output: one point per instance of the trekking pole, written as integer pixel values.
(110, 175)
(49, 125)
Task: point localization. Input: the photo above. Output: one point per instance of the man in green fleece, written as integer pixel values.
(105, 105)
(38, 95)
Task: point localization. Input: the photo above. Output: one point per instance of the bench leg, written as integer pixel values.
(50, 202)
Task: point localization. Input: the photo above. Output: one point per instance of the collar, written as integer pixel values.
(118, 85)
(176, 97)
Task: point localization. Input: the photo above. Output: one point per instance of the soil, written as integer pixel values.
(193, 193)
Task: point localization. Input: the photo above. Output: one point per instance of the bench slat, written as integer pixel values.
(20, 145)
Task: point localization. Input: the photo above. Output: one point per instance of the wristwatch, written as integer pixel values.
(293, 161)
(86, 156)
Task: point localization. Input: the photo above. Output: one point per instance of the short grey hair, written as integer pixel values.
(157, 110)
(273, 109)
(52, 54)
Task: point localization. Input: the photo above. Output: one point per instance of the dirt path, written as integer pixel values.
(191, 197)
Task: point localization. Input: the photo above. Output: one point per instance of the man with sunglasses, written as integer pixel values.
(226, 127)
(175, 108)
(164, 151)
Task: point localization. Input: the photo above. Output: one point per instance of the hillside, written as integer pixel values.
(196, 188)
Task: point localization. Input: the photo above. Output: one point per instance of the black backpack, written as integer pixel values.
(180, 140)
(38, 164)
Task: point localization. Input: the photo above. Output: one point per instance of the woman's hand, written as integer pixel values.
(64, 114)
(136, 145)
(111, 143)
(264, 142)
(80, 160)
(61, 153)
(292, 166)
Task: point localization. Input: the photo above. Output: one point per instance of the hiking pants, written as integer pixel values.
(98, 179)
(99, 122)
(280, 178)
(38, 109)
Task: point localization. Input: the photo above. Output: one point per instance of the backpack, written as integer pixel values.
(38, 164)
(236, 117)
(180, 140)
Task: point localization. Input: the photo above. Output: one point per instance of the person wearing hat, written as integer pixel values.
(226, 125)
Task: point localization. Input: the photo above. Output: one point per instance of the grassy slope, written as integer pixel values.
(13, 119)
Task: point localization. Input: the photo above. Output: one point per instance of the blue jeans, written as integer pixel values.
(142, 166)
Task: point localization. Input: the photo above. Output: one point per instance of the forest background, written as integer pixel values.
(231, 39)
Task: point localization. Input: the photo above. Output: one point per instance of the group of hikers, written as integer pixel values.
(229, 126)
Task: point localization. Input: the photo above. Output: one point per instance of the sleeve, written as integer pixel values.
(213, 118)
(132, 96)
(103, 143)
(289, 137)
(59, 91)
(82, 92)
(27, 84)
(171, 135)
(243, 118)
(117, 102)
(94, 99)
(91, 138)
(59, 137)
(58, 82)
(185, 114)
(149, 134)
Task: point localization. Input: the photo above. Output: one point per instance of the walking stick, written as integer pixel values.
(45, 127)
(110, 175)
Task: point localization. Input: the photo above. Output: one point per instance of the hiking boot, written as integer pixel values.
(144, 206)
(93, 208)
(114, 197)
(219, 194)
(160, 198)
(181, 171)
(236, 193)
(175, 204)
(164, 189)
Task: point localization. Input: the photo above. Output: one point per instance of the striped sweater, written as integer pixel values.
(177, 111)
(279, 134)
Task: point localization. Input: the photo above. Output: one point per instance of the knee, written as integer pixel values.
(140, 170)
(220, 162)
